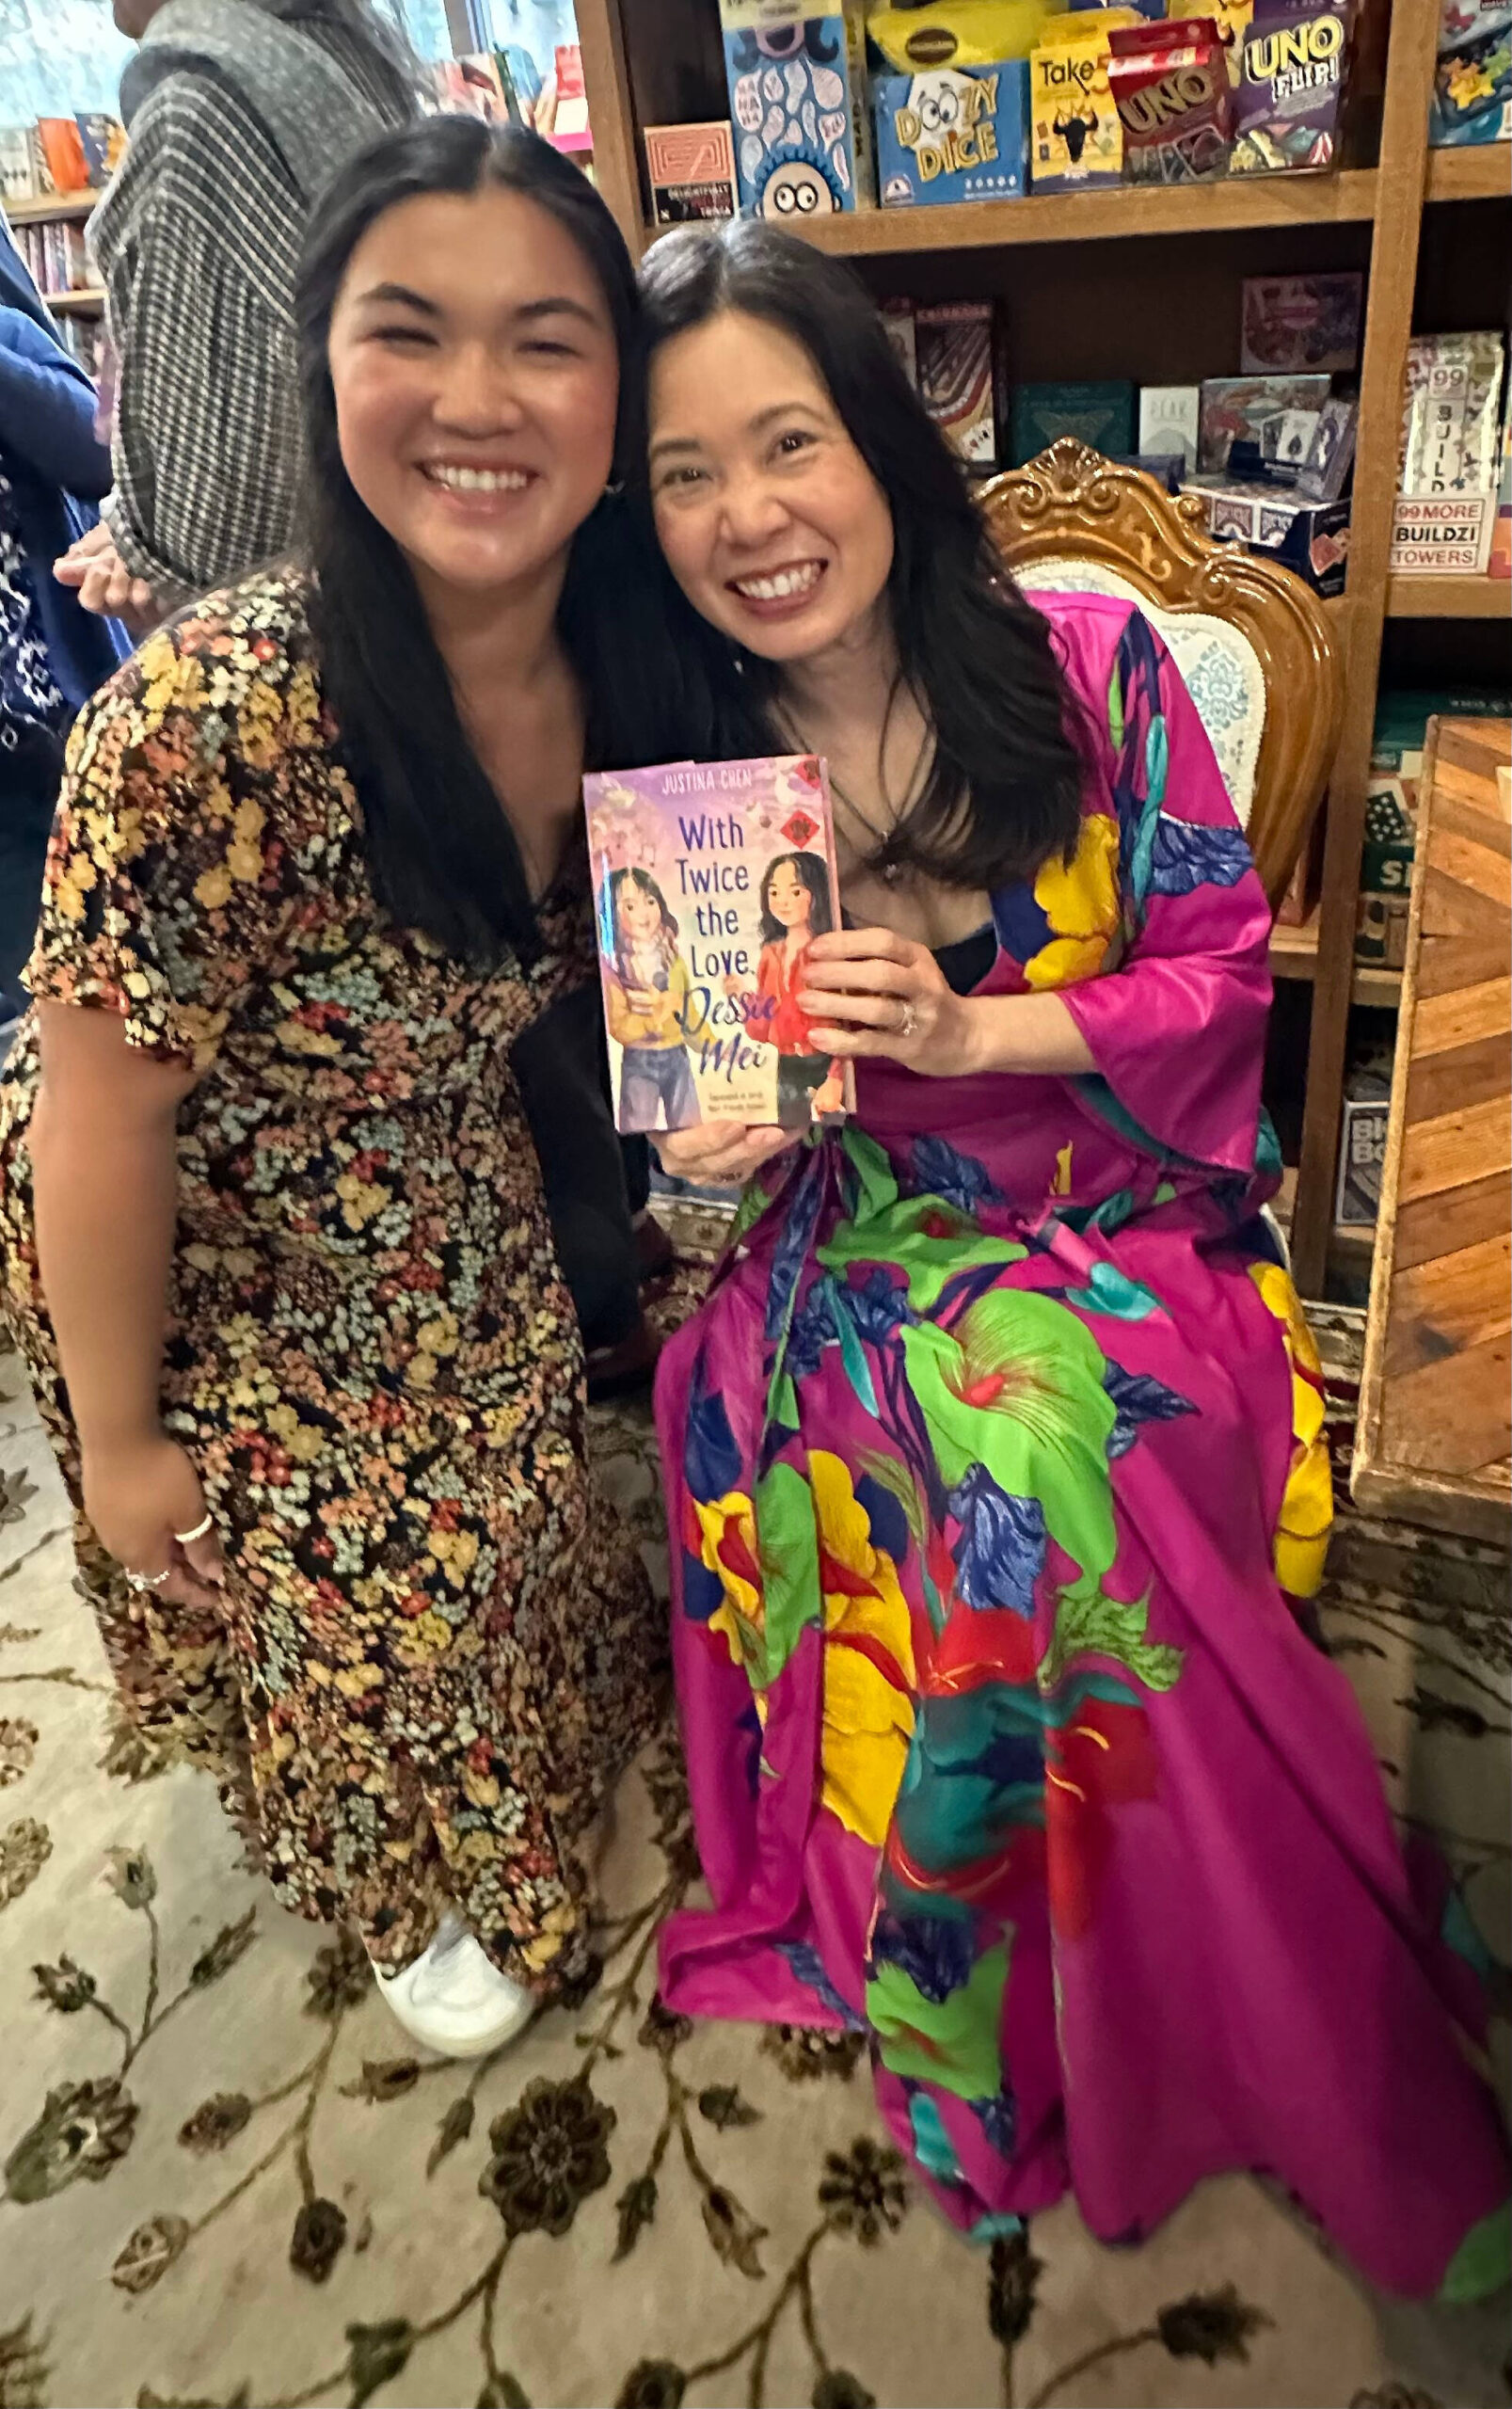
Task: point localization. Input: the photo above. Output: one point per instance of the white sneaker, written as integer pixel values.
(453, 1998)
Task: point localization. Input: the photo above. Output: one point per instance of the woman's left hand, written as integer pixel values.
(868, 992)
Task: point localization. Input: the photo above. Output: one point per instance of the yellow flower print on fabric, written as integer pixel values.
(729, 1548)
(1301, 1539)
(870, 1677)
(1081, 899)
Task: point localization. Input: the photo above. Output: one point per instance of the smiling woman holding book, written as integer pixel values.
(998, 1477)
(275, 1242)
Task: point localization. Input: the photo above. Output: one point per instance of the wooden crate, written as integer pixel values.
(1436, 1409)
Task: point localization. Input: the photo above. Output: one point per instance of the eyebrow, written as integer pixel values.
(552, 304)
(668, 444)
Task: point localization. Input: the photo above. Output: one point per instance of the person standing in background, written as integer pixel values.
(239, 112)
(52, 654)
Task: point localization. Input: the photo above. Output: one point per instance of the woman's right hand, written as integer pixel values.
(721, 1153)
(138, 1494)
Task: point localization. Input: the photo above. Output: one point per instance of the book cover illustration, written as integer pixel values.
(710, 881)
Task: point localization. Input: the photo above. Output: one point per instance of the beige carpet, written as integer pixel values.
(226, 2181)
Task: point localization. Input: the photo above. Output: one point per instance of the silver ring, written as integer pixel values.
(907, 1025)
(150, 1580)
(200, 1531)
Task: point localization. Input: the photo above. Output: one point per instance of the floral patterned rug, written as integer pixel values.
(228, 2182)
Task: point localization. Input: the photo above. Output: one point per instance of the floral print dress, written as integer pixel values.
(996, 1479)
(436, 1649)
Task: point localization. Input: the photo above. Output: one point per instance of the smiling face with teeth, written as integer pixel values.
(770, 520)
(476, 382)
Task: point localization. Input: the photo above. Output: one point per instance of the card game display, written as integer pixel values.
(798, 98)
(1472, 79)
(1099, 415)
(1076, 139)
(1167, 421)
(1252, 410)
(691, 173)
(1295, 324)
(710, 881)
(1330, 457)
(1171, 87)
(955, 347)
(1311, 537)
(1291, 81)
(952, 133)
(1230, 20)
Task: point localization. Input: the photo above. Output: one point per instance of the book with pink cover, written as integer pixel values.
(710, 881)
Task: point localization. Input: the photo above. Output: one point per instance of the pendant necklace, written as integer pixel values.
(877, 858)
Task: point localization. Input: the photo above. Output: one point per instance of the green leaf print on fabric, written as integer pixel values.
(787, 1548)
(857, 1370)
(1100, 1626)
(1111, 1291)
(1115, 707)
(1020, 1390)
(953, 2042)
(928, 1239)
(876, 1182)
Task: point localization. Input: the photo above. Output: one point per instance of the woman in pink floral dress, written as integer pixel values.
(995, 1458)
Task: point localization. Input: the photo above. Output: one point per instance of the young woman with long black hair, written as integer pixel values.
(275, 1242)
(995, 1458)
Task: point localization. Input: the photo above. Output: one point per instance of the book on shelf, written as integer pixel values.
(710, 880)
(59, 158)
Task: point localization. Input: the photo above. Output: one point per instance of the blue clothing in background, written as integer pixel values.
(58, 470)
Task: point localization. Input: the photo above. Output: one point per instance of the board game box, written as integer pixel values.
(952, 133)
(1300, 323)
(710, 881)
(954, 348)
(798, 100)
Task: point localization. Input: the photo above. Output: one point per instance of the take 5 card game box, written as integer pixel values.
(711, 880)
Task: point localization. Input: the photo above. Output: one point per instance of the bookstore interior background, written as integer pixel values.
(1212, 302)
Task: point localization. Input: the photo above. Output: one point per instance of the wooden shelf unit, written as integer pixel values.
(1449, 597)
(84, 302)
(1096, 216)
(667, 51)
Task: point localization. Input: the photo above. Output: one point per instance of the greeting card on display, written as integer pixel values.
(710, 881)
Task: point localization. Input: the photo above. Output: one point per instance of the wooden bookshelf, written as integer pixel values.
(1449, 597)
(53, 207)
(85, 303)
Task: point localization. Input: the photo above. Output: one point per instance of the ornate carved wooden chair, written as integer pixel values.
(1255, 644)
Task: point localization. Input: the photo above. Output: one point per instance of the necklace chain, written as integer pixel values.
(874, 857)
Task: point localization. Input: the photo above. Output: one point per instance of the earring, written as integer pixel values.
(614, 490)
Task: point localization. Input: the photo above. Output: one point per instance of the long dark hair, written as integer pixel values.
(667, 934)
(441, 853)
(1004, 790)
(810, 873)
